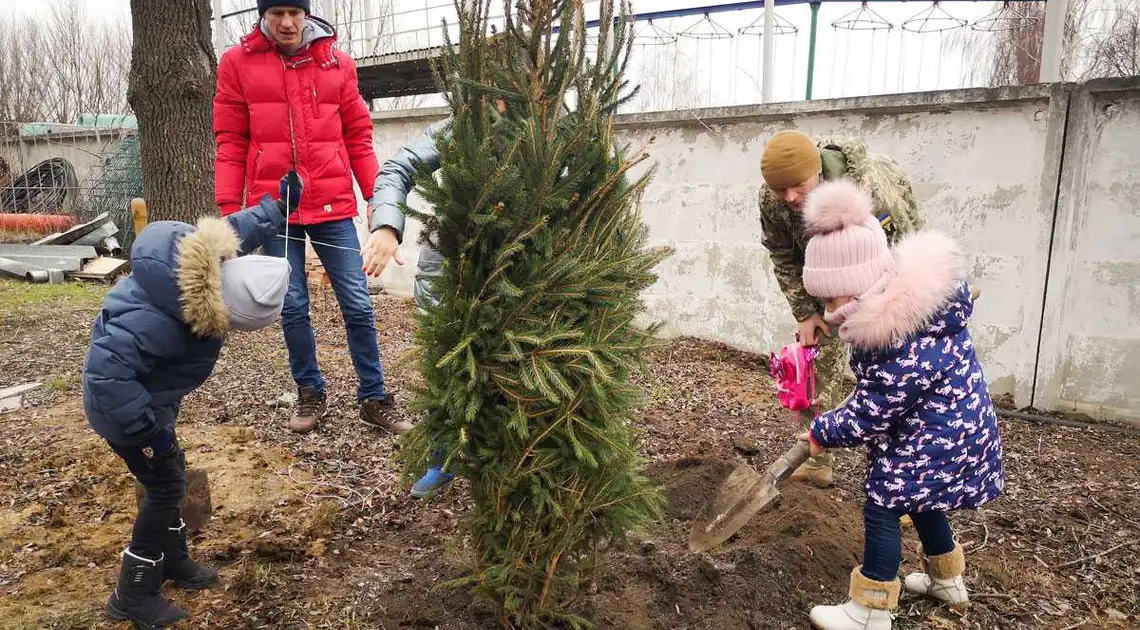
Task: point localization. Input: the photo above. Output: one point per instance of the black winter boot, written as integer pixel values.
(138, 595)
(186, 573)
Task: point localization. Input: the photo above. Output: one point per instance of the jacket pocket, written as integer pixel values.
(316, 101)
(342, 154)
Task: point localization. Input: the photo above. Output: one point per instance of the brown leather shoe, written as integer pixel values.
(382, 415)
(310, 408)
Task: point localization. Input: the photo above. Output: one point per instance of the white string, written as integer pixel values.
(288, 194)
(316, 242)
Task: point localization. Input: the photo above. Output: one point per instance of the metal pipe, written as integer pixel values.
(811, 49)
(769, 48)
(1064, 422)
(218, 17)
(1054, 38)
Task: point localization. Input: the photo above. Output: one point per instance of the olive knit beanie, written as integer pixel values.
(790, 159)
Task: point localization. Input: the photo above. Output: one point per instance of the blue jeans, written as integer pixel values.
(882, 546)
(345, 269)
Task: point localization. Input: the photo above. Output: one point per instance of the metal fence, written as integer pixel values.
(52, 174)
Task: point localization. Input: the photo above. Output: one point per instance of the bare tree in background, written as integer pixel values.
(667, 77)
(1101, 39)
(1115, 52)
(64, 64)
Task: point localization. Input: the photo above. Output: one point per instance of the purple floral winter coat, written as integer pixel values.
(920, 403)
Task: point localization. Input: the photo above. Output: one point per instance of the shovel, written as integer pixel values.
(740, 497)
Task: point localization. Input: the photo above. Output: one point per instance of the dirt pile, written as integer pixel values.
(766, 576)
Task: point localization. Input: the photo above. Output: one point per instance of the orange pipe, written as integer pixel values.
(36, 223)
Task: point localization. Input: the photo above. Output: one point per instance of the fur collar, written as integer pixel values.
(928, 269)
(199, 263)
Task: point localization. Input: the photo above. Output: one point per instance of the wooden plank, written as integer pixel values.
(102, 268)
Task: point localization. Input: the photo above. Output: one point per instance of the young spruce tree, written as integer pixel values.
(528, 359)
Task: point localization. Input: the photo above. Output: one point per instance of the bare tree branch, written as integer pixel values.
(67, 62)
(1101, 39)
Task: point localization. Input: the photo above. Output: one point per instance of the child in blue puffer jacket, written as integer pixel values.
(920, 405)
(155, 340)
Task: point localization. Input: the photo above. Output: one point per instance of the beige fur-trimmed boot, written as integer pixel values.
(942, 578)
(819, 473)
(869, 608)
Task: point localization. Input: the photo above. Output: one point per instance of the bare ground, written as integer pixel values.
(314, 531)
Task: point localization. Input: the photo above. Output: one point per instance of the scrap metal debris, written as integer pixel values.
(88, 251)
(12, 398)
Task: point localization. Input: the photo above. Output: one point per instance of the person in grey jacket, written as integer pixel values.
(395, 181)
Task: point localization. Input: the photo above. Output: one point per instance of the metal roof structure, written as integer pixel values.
(406, 73)
(409, 72)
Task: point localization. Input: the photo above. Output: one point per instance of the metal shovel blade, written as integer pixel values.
(744, 493)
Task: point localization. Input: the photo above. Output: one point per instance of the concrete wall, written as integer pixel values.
(980, 171)
(1042, 212)
(1090, 344)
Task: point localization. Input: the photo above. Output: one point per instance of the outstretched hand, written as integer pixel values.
(381, 247)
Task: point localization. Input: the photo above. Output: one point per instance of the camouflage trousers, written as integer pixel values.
(834, 382)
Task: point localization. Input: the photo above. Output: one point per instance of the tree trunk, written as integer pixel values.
(171, 92)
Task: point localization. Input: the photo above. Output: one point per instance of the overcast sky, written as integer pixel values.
(728, 71)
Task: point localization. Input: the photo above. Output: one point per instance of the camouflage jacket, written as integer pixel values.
(783, 228)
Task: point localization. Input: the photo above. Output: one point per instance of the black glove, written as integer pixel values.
(289, 193)
(160, 446)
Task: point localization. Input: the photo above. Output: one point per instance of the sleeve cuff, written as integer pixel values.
(803, 312)
(815, 436)
(385, 215)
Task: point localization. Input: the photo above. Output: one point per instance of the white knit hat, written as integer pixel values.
(847, 252)
(253, 288)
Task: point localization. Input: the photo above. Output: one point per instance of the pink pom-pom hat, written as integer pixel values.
(847, 252)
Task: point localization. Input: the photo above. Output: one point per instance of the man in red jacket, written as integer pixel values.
(287, 100)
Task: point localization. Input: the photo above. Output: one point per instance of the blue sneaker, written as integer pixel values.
(433, 481)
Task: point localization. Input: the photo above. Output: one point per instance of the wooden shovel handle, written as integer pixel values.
(792, 459)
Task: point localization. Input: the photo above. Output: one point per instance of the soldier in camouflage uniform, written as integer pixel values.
(793, 165)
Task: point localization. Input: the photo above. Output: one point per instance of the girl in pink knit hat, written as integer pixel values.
(920, 405)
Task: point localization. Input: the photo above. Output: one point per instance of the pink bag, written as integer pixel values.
(793, 369)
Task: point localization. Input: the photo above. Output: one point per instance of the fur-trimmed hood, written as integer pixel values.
(928, 275)
(180, 268)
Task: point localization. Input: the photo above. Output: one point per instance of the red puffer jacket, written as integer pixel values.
(274, 112)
